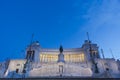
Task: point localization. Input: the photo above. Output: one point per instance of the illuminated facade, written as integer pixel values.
(61, 62)
(75, 62)
(76, 57)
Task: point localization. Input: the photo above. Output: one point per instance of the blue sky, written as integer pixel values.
(56, 22)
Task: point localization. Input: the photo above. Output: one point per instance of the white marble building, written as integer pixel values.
(76, 62)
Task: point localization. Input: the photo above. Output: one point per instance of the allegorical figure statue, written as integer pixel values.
(61, 55)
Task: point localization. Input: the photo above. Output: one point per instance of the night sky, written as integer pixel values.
(56, 22)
